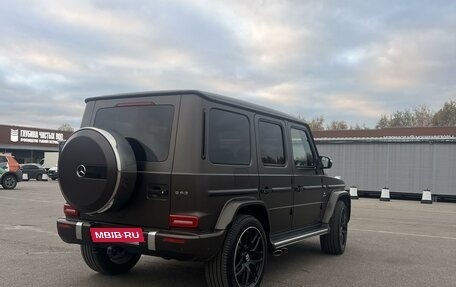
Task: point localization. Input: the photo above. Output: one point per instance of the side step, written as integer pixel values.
(290, 238)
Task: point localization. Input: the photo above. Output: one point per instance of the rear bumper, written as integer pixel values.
(162, 243)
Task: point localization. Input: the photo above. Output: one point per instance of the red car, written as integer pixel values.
(10, 171)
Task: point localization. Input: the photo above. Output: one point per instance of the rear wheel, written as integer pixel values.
(110, 261)
(334, 242)
(242, 260)
(39, 177)
(9, 181)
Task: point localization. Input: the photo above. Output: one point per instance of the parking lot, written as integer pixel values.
(397, 243)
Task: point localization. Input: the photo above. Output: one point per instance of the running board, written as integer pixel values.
(282, 242)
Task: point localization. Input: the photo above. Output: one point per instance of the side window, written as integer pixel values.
(302, 151)
(271, 143)
(229, 138)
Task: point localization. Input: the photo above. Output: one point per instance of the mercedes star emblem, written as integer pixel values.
(81, 170)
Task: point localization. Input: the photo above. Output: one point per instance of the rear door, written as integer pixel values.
(274, 172)
(307, 183)
(149, 124)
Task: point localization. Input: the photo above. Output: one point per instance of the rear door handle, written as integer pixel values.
(266, 190)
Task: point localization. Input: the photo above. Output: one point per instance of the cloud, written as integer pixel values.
(346, 62)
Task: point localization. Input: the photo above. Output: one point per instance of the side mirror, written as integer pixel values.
(325, 162)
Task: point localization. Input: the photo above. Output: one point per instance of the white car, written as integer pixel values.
(53, 172)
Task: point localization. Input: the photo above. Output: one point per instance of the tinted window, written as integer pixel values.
(29, 166)
(2, 159)
(147, 128)
(271, 143)
(229, 138)
(302, 151)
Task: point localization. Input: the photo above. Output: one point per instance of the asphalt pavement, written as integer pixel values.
(396, 243)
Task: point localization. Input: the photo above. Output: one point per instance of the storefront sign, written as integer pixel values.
(15, 135)
(35, 136)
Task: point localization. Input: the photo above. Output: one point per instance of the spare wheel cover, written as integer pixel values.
(97, 170)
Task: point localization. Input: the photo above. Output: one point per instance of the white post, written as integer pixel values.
(427, 197)
(385, 195)
(25, 176)
(354, 192)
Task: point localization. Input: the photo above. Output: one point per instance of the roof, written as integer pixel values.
(427, 134)
(209, 96)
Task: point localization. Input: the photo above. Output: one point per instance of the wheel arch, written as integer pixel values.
(341, 195)
(243, 205)
(9, 173)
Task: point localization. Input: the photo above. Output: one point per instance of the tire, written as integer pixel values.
(53, 178)
(335, 241)
(245, 250)
(9, 181)
(39, 177)
(119, 261)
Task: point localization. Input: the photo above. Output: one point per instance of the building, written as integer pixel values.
(406, 160)
(28, 144)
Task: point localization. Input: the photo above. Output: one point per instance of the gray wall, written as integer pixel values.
(403, 167)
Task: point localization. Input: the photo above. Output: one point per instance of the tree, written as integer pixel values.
(446, 116)
(383, 122)
(401, 119)
(423, 116)
(316, 124)
(337, 125)
(65, 127)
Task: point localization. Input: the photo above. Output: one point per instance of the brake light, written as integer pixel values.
(135, 104)
(69, 210)
(183, 221)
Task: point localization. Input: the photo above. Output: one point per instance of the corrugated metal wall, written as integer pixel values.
(403, 167)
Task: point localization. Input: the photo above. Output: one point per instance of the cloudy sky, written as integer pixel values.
(345, 60)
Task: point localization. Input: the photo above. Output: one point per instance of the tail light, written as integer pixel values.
(183, 221)
(69, 210)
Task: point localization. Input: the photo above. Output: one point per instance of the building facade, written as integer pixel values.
(28, 144)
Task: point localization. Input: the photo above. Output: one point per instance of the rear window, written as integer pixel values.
(147, 128)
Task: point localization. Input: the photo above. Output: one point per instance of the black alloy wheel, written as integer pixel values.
(242, 259)
(249, 257)
(343, 228)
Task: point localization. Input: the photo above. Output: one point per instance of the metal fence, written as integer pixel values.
(402, 166)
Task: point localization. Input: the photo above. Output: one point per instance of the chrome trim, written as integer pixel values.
(311, 203)
(232, 191)
(79, 230)
(312, 187)
(336, 185)
(151, 240)
(292, 240)
(281, 189)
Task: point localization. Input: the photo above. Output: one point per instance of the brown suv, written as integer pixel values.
(204, 177)
(10, 171)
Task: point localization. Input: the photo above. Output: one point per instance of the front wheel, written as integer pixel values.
(334, 242)
(242, 259)
(110, 261)
(9, 181)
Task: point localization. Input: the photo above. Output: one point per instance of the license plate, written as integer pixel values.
(116, 235)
